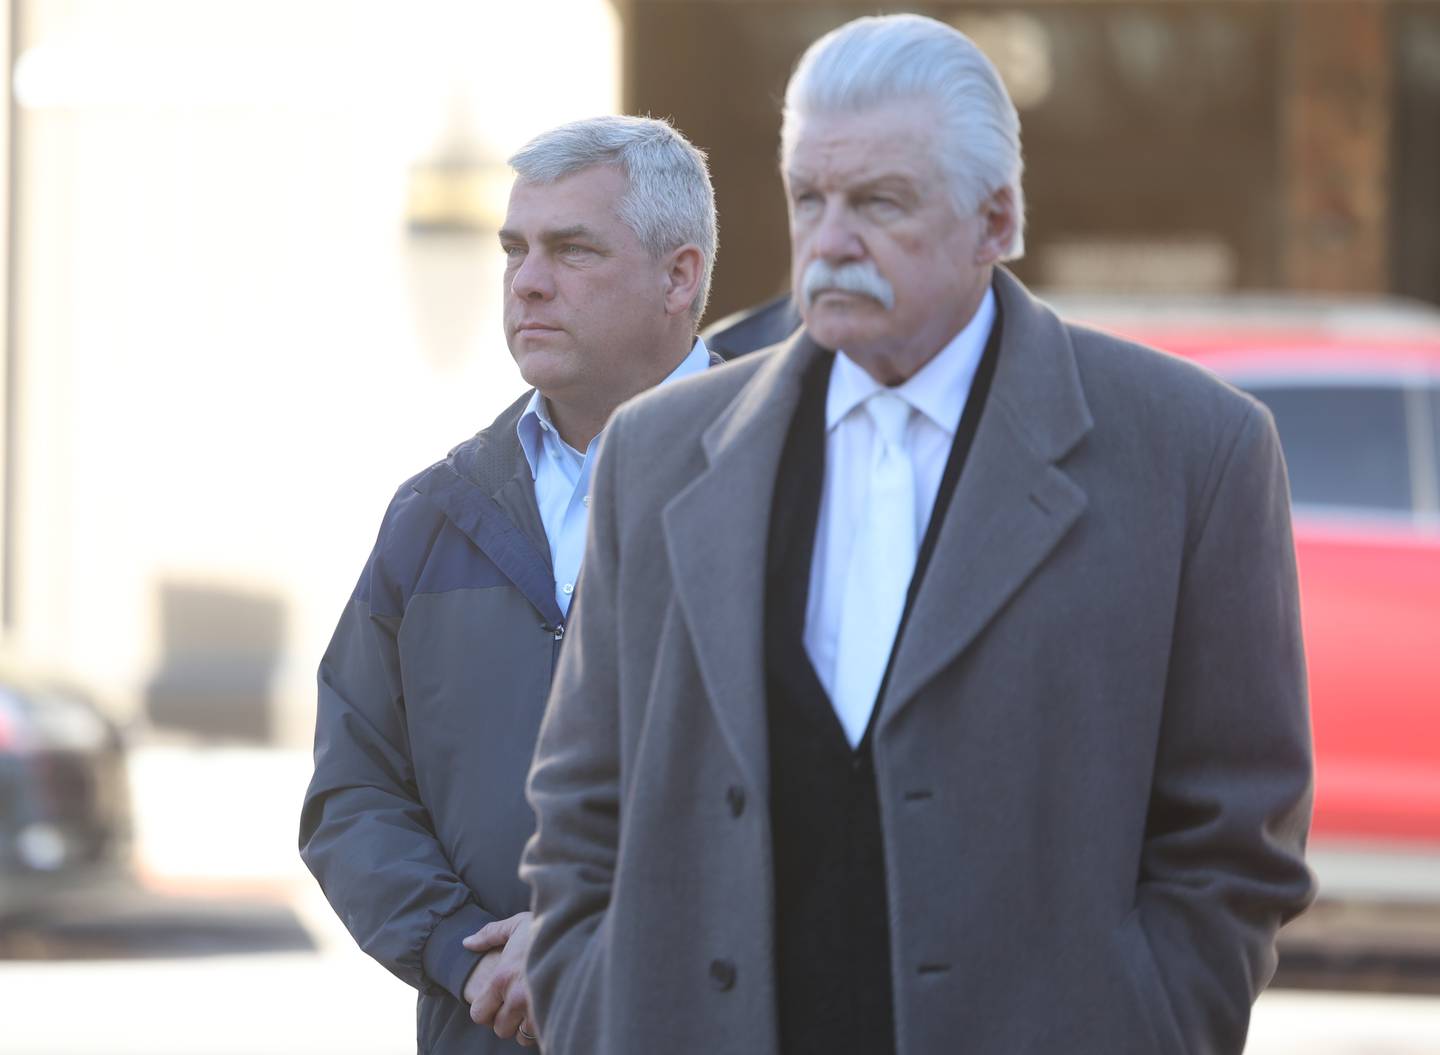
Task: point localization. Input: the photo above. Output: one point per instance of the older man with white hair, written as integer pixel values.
(937, 684)
(433, 687)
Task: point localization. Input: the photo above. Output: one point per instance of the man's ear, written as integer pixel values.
(997, 215)
(684, 270)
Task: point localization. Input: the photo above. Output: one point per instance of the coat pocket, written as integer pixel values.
(1131, 948)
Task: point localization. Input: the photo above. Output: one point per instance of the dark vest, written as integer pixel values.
(832, 938)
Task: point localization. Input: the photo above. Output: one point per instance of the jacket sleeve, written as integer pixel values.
(574, 791)
(1223, 862)
(365, 834)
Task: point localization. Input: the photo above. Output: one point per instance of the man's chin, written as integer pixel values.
(841, 329)
(543, 368)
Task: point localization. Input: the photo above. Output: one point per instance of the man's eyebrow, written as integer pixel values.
(898, 180)
(578, 232)
(887, 179)
(575, 232)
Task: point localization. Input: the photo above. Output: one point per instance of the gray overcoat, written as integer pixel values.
(1092, 758)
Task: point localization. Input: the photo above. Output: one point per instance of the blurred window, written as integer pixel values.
(1428, 411)
(1435, 420)
(1344, 445)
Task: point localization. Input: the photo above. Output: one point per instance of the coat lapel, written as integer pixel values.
(1013, 504)
(716, 531)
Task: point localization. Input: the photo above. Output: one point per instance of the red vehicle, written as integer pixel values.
(1355, 390)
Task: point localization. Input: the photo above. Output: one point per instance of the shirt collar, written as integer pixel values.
(535, 424)
(698, 361)
(938, 389)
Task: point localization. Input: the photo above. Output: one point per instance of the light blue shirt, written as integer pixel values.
(562, 479)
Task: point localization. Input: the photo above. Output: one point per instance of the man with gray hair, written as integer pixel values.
(937, 684)
(432, 689)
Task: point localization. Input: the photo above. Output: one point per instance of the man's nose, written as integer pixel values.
(836, 239)
(532, 280)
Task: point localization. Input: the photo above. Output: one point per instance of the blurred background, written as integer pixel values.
(250, 283)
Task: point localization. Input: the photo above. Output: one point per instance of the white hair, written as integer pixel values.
(669, 202)
(888, 58)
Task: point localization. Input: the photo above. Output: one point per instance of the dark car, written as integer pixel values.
(65, 820)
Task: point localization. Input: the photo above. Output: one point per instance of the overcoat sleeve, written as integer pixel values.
(365, 834)
(1223, 862)
(574, 789)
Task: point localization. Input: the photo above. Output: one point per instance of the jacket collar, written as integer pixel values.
(484, 489)
(715, 532)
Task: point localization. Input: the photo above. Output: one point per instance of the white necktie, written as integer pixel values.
(881, 563)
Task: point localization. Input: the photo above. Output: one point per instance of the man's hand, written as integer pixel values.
(496, 990)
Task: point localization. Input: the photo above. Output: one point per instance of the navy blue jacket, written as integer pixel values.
(431, 694)
(753, 328)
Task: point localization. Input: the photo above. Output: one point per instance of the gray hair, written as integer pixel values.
(888, 58)
(670, 201)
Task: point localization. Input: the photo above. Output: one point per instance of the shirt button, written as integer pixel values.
(586, 501)
(568, 588)
(722, 974)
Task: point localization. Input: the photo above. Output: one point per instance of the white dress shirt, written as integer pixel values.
(937, 393)
(562, 479)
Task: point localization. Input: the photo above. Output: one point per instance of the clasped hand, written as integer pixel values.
(496, 990)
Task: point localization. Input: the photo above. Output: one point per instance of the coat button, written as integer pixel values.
(735, 797)
(722, 975)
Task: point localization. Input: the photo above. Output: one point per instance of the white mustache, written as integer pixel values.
(860, 277)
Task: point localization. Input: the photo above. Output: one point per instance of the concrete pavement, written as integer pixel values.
(217, 827)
